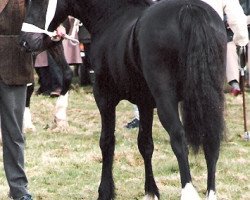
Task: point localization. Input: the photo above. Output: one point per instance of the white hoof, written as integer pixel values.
(150, 197)
(61, 123)
(211, 195)
(189, 193)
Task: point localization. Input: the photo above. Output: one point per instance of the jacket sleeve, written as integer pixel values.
(237, 21)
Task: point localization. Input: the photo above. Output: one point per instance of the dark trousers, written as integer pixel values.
(12, 104)
(44, 79)
(55, 74)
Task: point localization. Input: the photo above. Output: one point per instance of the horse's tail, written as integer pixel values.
(203, 64)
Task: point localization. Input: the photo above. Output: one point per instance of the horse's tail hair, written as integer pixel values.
(202, 69)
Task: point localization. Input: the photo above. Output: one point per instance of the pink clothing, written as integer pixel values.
(72, 52)
(232, 71)
(42, 59)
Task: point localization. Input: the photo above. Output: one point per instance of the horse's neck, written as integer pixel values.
(96, 13)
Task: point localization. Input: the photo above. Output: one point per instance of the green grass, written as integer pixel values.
(66, 165)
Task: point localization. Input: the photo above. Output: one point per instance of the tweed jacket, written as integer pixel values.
(15, 65)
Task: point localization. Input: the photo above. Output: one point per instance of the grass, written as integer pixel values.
(66, 165)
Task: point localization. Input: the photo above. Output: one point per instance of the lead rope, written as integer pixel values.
(30, 28)
(75, 30)
(51, 10)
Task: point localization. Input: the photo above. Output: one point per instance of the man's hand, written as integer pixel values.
(61, 31)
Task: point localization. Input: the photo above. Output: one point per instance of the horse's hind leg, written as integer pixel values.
(146, 148)
(106, 105)
(211, 150)
(168, 113)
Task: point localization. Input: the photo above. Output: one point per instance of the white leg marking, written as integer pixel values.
(189, 193)
(27, 121)
(60, 116)
(211, 195)
(150, 197)
(61, 107)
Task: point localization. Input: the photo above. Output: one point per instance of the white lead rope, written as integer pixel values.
(51, 10)
(75, 29)
(30, 28)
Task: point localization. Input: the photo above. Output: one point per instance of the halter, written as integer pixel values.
(30, 28)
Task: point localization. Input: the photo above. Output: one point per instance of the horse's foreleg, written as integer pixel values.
(211, 150)
(57, 54)
(169, 117)
(107, 144)
(146, 148)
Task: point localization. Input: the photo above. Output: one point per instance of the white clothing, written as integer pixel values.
(232, 70)
(136, 111)
(236, 18)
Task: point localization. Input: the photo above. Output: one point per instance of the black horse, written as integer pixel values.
(154, 55)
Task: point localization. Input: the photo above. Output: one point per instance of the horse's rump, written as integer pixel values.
(188, 42)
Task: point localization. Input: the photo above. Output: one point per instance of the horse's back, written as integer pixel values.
(161, 22)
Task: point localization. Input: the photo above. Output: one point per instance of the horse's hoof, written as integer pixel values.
(150, 197)
(189, 193)
(211, 195)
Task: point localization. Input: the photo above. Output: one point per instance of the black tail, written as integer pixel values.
(203, 69)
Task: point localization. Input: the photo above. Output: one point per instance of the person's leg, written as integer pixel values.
(44, 80)
(248, 64)
(12, 105)
(56, 77)
(232, 69)
(135, 122)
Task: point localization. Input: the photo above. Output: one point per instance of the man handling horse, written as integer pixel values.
(15, 72)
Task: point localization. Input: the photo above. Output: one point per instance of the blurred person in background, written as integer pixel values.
(246, 7)
(85, 71)
(237, 22)
(43, 73)
(135, 122)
